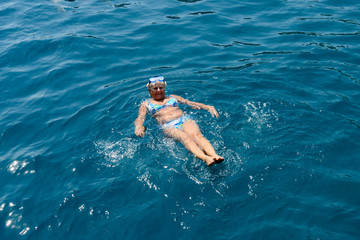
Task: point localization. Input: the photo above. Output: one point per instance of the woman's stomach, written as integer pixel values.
(168, 114)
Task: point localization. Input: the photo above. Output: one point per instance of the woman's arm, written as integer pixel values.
(197, 105)
(139, 122)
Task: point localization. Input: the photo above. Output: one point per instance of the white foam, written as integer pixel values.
(114, 152)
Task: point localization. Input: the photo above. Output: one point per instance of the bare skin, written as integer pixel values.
(190, 135)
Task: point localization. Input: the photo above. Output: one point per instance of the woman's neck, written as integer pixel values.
(160, 100)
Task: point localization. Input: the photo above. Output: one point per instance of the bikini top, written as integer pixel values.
(154, 108)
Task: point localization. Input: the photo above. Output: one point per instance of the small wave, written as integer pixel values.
(122, 5)
(234, 43)
(201, 13)
(189, 1)
(318, 34)
(235, 68)
(60, 5)
(173, 17)
(341, 20)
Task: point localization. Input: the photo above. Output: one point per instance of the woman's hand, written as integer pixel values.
(140, 131)
(213, 111)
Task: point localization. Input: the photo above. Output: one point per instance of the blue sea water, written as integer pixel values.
(283, 74)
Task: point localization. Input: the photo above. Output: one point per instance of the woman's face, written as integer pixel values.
(157, 91)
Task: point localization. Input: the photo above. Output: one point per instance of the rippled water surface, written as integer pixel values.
(284, 76)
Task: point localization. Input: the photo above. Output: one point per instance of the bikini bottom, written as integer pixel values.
(177, 123)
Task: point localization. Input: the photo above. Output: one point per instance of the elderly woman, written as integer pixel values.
(174, 123)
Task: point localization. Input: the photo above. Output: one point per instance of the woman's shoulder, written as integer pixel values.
(175, 96)
(178, 98)
(145, 102)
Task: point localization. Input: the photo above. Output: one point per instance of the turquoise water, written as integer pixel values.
(284, 76)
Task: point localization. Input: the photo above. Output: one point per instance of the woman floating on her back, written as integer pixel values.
(174, 123)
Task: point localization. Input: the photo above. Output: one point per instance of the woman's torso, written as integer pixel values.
(166, 110)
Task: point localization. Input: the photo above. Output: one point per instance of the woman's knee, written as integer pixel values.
(198, 136)
(178, 135)
(186, 138)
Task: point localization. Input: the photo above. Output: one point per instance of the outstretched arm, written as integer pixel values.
(139, 122)
(197, 105)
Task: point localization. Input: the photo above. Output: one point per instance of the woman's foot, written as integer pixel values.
(217, 158)
(210, 160)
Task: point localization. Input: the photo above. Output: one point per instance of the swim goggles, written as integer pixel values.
(159, 79)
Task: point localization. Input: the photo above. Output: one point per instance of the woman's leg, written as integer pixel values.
(191, 128)
(189, 143)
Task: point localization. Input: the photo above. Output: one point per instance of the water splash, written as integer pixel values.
(260, 114)
(115, 152)
(147, 178)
